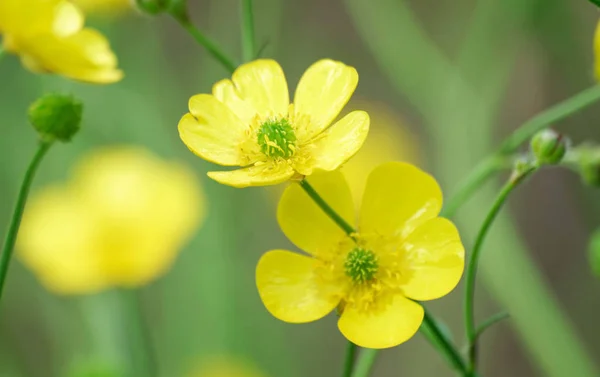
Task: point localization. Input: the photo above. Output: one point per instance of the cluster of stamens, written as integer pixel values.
(361, 265)
(276, 138)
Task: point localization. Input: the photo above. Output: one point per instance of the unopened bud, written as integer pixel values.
(549, 147)
(56, 116)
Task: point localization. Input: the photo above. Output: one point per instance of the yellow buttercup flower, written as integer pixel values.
(119, 222)
(402, 252)
(248, 121)
(49, 37)
(108, 8)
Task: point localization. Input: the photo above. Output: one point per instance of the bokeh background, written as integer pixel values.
(517, 57)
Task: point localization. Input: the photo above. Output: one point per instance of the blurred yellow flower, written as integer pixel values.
(402, 251)
(119, 222)
(108, 8)
(49, 37)
(248, 121)
(226, 366)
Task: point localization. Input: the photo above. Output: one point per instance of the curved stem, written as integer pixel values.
(471, 272)
(248, 38)
(208, 44)
(487, 167)
(333, 215)
(349, 363)
(490, 322)
(15, 222)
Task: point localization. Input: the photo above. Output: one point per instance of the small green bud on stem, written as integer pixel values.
(549, 147)
(56, 116)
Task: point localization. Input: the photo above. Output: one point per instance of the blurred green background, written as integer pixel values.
(516, 57)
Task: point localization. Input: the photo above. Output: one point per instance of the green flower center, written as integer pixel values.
(276, 138)
(361, 265)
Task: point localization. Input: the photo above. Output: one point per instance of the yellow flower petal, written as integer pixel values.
(289, 289)
(256, 175)
(305, 224)
(212, 131)
(262, 84)
(336, 145)
(54, 242)
(436, 258)
(27, 18)
(398, 198)
(227, 93)
(395, 324)
(84, 56)
(322, 92)
(68, 19)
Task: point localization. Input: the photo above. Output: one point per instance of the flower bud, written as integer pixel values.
(56, 116)
(594, 252)
(589, 164)
(549, 147)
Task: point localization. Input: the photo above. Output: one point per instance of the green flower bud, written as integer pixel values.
(594, 252)
(549, 147)
(56, 116)
(589, 164)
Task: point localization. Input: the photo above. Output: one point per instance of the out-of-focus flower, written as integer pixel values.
(223, 366)
(402, 251)
(104, 8)
(119, 222)
(248, 121)
(49, 37)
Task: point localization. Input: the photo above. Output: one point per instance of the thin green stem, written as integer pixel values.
(552, 115)
(210, 46)
(15, 222)
(443, 344)
(248, 37)
(365, 362)
(490, 322)
(349, 363)
(140, 339)
(493, 163)
(333, 215)
(471, 272)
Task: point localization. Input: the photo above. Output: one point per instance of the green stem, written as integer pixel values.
(444, 344)
(248, 37)
(555, 113)
(349, 363)
(490, 322)
(471, 272)
(207, 43)
(142, 351)
(365, 362)
(493, 163)
(326, 208)
(15, 222)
